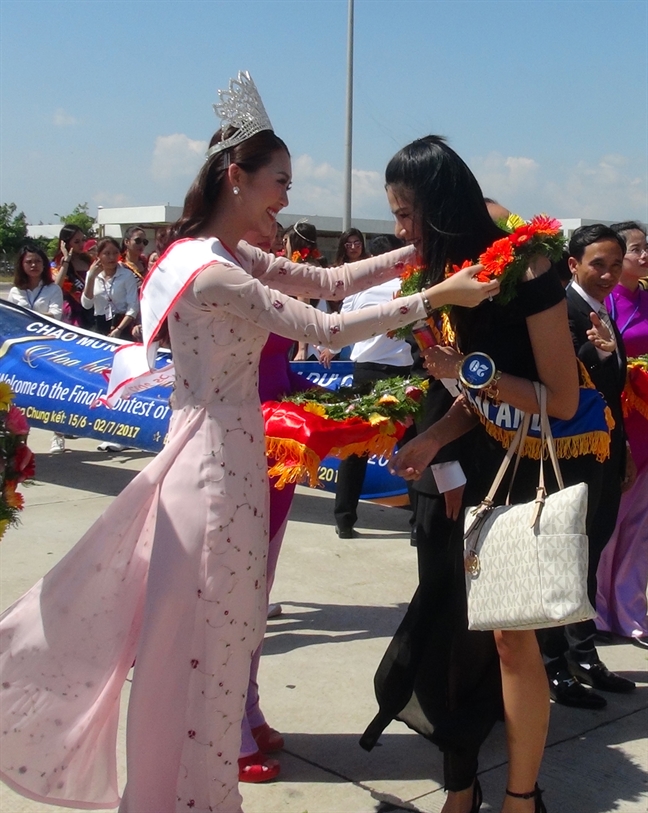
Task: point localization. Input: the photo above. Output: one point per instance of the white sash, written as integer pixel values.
(133, 366)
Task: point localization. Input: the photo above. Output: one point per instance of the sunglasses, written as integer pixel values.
(139, 241)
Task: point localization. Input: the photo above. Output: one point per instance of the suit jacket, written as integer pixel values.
(608, 375)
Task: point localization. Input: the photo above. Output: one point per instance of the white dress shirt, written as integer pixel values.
(113, 295)
(45, 299)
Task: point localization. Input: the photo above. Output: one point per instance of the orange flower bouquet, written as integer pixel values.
(16, 458)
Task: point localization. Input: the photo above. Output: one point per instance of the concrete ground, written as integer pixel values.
(342, 599)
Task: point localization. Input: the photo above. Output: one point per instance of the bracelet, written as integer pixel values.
(429, 310)
(492, 390)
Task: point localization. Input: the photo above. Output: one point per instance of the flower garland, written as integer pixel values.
(16, 458)
(304, 254)
(635, 393)
(391, 399)
(307, 426)
(507, 259)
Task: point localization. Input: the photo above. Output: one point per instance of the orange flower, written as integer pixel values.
(12, 497)
(464, 264)
(410, 271)
(543, 224)
(497, 257)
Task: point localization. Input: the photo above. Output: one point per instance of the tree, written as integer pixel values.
(79, 216)
(13, 230)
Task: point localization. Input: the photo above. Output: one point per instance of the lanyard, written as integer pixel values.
(31, 301)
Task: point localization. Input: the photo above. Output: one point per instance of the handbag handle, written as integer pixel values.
(546, 442)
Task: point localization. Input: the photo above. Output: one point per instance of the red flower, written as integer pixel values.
(16, 422)
(522, 235)
(497, 257)
(24, 463)
(415, 393)
(464, 264)
(545, 225)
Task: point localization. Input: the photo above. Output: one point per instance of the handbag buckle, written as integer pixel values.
(471, 563)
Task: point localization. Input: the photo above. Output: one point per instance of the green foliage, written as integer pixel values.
(395, 399)
(80, 216)
(13, 230)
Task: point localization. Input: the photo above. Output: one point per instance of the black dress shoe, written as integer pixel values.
(567, 691)
(640, 641)
(345, 533)
(598, 676)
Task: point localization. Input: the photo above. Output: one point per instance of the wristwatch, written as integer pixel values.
(477, 370)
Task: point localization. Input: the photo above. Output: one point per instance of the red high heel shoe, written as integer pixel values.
(268, 739)
(258, 768)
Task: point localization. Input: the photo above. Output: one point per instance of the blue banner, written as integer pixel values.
(57, 373)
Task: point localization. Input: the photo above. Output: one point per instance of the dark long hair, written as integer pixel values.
(341, 256)
(21, 280)
(202, 197)
(448, 204)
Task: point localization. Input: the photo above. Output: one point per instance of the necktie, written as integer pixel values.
(605, 318)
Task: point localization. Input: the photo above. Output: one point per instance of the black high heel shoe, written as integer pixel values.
(536, 794)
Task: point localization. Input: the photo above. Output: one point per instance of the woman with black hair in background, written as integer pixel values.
(132, 252)
(35, 289)
(351, 247)
(71, 266)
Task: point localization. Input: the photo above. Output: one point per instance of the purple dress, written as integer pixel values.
(623, 569)
(276, 379)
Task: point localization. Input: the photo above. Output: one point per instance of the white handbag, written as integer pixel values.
(526, 565)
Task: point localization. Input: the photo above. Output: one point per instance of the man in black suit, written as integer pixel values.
(595, 259)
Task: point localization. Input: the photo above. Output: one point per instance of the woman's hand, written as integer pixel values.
(442, 361)
(600, 336)
(462, 289)
(64, 251)
(326, 356)
(94, 269)
(410, 461)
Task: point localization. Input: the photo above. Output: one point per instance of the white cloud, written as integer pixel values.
(610, 189)
(176, 156)
(319, 189)
(503, 177)
(63, 119)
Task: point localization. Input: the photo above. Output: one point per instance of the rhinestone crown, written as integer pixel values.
(240, 107)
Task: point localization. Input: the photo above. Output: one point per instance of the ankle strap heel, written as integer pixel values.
(536, 794)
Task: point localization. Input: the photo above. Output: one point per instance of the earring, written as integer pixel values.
(235, 190)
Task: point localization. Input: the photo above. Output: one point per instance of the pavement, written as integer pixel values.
(342, 600)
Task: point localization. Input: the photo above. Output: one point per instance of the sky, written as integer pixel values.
(109, 102)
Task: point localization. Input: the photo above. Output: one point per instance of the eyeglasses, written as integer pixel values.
(140, 241)
(353, 244)
(638, 251)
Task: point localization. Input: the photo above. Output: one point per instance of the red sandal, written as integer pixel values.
(268, 739)
(258, 768)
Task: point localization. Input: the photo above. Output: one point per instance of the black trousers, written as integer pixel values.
(351, 471)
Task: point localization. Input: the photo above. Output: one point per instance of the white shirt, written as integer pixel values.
(378, 349)
(113, 295)
(45, 299)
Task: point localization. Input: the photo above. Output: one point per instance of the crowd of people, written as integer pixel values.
(185, 594)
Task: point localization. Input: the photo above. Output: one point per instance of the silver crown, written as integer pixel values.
(242, 108)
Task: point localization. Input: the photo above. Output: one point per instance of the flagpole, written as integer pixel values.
(348, 145)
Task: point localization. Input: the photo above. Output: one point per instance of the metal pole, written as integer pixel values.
(346, 220)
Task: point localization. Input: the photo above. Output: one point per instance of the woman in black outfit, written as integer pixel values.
(444, 681)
